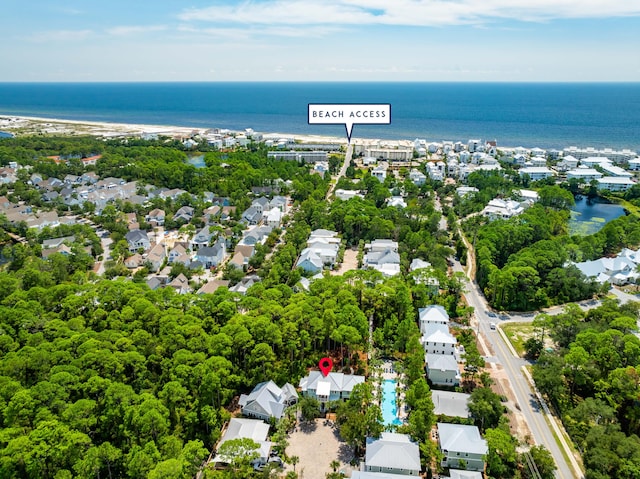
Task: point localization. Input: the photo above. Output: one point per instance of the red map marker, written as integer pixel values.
(325, 365)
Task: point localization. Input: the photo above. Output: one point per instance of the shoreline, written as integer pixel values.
(108, 129)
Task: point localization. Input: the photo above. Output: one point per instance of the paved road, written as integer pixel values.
(343, 170)
(525, 399)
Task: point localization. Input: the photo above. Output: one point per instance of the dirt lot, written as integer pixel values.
(316, 445)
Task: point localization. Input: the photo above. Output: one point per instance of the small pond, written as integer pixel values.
(197, 161)
(588, 217)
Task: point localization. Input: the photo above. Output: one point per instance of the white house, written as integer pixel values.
(502, 209)
(417, 177)
(615, 183)
(437, 339)
(392, 453)
(460, 442)
(537, 172)
(268, 400)
(613, 170)
(333, 387)
(253, 429)
(584, 173)
(450, 403)
(433, 314)
(442, 369)
(379, 172)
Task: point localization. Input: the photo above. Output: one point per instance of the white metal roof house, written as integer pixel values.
(268, 400)
(437, 339)
(432, 314)
(253, 429)
(460, 442)
(333, 387)
(442, 369)
(392, 453)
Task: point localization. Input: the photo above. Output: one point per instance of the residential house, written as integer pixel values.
(256, 235)
(442, 369)
(55, 242)
(254, 429)
(462, 445)
(134, 261)
(201, 239)
(502, 209)
(450, 403)
(418, 263)
(241, 256)
(463, 474)
(393, 453)
(379, 172)
(63, 249)
(310, 261)
(184, 214)
(418, 178)
(433, 314)
(137, 239)
(346, 195)
(332, 387)
(396, 201)
(245, 283)
(252, 215)
(437, 339)
(619, 270)
(177, 251)
(156, 217)
(212, 256)
(180, 284)
(536, 173)
(273, 217)
(211, 287)
(267, 400)
(156, 256)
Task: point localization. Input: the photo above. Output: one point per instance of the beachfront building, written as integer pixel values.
(393, 454)
(329, 388)
(618, 156)
(613, 170)
(461, 444)
(390, 154)
(299, 156)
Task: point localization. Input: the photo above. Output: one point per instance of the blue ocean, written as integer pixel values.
(547, 115)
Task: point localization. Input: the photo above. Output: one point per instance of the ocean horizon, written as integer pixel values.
(546, 115)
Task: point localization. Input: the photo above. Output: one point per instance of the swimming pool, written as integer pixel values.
(388, 405)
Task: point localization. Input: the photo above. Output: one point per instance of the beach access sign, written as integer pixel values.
(349, 114)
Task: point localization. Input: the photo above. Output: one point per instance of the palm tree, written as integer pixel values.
(294, 460)
(335, 465)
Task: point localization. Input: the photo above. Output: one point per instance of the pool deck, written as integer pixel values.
(388, 372)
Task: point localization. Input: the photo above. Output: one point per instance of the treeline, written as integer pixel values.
(592, 378)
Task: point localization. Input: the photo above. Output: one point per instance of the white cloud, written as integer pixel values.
(134, 29)
(407, 12)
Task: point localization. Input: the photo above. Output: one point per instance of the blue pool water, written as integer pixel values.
(389, 406)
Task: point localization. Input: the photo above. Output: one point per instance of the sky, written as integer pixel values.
(320, 40)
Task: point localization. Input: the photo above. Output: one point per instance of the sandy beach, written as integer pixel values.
(28, 125)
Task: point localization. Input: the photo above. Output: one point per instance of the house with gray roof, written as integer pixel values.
(392, 453)
(442, 369)
(267, 400)
(309, 261)
(460, 442)
(450, 403)
(201, 239)
(212, 256)
(253, 429)
(137, 239)
(432, 314)
(325, 389)
(376, 475)
(184, 214)
(462, 474)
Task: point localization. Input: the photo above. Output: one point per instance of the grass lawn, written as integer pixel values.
(518, 333)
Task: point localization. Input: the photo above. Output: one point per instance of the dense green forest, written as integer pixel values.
(592, 378)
